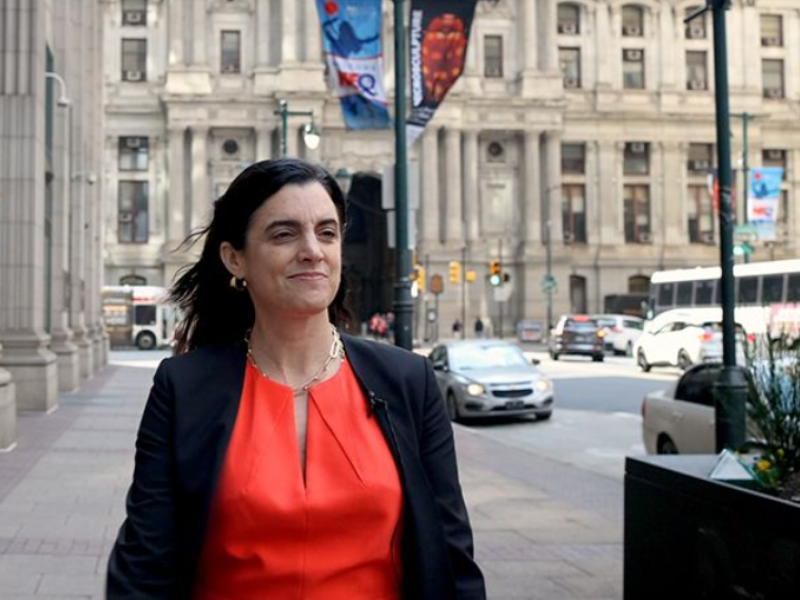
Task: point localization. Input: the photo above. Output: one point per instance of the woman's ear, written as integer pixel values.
(232, 259)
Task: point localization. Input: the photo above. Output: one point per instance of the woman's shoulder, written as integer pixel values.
(382, 352)
(204, 362)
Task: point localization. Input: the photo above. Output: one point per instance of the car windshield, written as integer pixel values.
(606, 322)
(485, 356)
(573, 324)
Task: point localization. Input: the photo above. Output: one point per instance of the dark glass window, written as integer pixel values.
(793, 289)
(665, 292)
(637, 159)
(132, 213)
(144, 314)
(231, 45)
(573, 159)
(569, 16)
(704, 293)
(747, 290)
(772, 289)
(134, 60)
(685, 293)
(573, 213)
(133, 153)
(493, 56)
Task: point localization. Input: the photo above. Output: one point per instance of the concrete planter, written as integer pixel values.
(687, 536)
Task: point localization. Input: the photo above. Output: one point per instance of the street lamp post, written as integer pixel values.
(311, 135)
(731, 386)
(403, 304)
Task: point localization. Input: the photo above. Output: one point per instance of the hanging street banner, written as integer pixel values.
(351, 32)
(765, 197)
(438, 37)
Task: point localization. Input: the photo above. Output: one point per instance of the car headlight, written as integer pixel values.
(542, 385)
(475, 389)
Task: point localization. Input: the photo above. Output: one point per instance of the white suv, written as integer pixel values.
(682, 338)
(622, 331)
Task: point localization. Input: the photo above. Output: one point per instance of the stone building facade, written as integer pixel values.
(586, 127)
(50, 211)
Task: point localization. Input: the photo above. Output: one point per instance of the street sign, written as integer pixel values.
(437, 284)
(549, 284)
(745, 233)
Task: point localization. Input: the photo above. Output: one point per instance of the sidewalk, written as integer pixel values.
(543, 531)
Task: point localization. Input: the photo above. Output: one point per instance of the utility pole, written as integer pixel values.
(311, 135)
(731, 386)
(403, 304)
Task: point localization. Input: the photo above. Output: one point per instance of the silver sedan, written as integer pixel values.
(490, 378)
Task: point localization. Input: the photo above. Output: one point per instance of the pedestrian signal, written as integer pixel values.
(455, 272)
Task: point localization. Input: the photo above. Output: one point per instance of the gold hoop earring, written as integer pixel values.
(239, 285)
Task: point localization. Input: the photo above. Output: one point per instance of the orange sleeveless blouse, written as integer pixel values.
(336, 535)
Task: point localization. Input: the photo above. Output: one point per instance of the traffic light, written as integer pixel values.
(455, 271)
(495, 273)
(506, 277)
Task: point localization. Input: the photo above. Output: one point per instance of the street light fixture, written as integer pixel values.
(63, 100)
(311, 134)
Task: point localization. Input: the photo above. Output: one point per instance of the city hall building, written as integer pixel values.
(580, 138)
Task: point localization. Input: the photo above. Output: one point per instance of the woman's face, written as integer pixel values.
(292, 259)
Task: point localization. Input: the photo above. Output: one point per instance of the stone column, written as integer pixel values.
(533, 188)
(431, 234)
(667, 41)
(527, 33)
(8, 409)
(289, 31)
(176, 220)
(592, 195)
(61, 335)
(549, 26)
(603, 39)
(175, 32)
(264, 137)
(471, 191)
(611, 223)
(22, 220)
(454, 231)
(201, 207)
(199, 34)
(262, 33)
(553, 195)
(313, 41)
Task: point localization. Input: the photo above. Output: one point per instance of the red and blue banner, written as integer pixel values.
(351, 32)
(764, 203)
(438, 35)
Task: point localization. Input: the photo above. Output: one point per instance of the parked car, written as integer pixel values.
(622, 331)
(490, 378)
(577, 334)
(683, 338)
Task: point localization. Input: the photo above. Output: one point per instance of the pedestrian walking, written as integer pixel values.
(478, 327)
(278, 457)
(456, 327)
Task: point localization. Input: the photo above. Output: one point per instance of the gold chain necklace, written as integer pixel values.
(336, 351)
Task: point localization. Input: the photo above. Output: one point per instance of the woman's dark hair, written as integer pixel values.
(214, 312)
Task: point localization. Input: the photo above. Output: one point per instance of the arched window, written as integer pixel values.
(638, 284)
(133, 280)
(569, 19)
(632, 21)
(577, 294)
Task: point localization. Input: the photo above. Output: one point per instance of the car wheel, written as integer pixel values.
(641, 360)
(666, 445)
(146, 341)
(629, 349)
(544, 416)
(598, 358)
(684, 361)
(452, 407)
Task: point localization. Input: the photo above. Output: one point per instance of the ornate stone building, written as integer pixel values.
(50, 211)
(586, 127)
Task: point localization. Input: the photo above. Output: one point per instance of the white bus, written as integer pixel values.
(767, 293)
(138, 315)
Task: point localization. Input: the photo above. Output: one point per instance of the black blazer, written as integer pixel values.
(184, 433)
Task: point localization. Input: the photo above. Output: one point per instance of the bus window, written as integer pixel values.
(665, 294)
(793, 289)
(704, 293)
(772, 289)
(747, 290)
(144, 314)
(684, 293)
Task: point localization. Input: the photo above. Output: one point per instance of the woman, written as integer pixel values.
(277, 458)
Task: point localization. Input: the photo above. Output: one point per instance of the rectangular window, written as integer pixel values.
(793, 288)
(633, 69)
(573, 159)
(133, 153)
(637, 214)
(637, 159)
(703, 292)
(685, 293)
(700, 213)
(696, 28)
(133, 214)
(774, 158)
(134, 60)
(772, 77)
(493, 55)
(632, 21)
(569, 19)
(665, 292)
(701, 159)
(747, 290)
(696, 71)
(573, 213)
(783, 209)
(570, 62)
(772, 289)
(134, 12)
(771, 30)
(230, 45)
